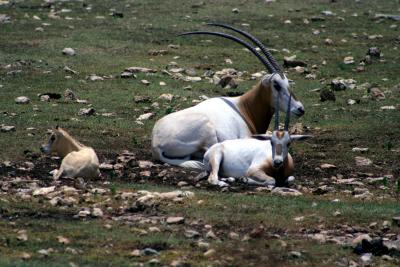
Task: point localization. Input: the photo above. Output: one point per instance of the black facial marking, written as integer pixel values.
(277, 86)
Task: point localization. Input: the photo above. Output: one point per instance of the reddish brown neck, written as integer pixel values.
(255, 105)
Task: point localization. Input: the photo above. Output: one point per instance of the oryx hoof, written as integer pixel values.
(290, 180)
(222, 184)
(231, 179)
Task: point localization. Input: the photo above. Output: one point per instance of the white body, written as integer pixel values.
(83, 163)
(243, 158)
(196, 128)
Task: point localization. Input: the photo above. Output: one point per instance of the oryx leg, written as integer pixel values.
(214, 163)
(58, 173)
(256, 176)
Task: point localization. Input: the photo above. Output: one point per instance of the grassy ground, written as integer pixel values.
(31, 63)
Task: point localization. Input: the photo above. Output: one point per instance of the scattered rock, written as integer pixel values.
(22, 236)
(69, 95)
(145, 164)
(148, 252)
(97, 212)
(63, 240)
(7, 128)
(348, 60)
(68, 51)
(328, 41)
(145, 82)
(69, 70)
(209, 252)
(49, 96)
(136, 253)
(327, 166)
(351, 102)
(140, 70)
(360, 149)
(157, 52)
(4, 19)
(127, 75)
(376, 94)
(141, 99)
(192, 234)
(339, 84)
(175, 220)
(45, 252)
(25, 256)
(145, 117)
(22, 100)
(317, 18)
(228, 82)
(361, 161)
(366, 258)
(374, 52)
(387, 16)
(167, 97)
(43, 191)
(86, 111)
(283, 191)
(295, 254)
(95, 78)
(210, 234)
(291, 62)
(327, 95)
(388, 108)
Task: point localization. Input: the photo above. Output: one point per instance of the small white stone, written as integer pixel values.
(22, 100)
(69, 51)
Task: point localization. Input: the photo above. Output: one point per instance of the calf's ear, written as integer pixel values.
(299, 137)
(261, 136)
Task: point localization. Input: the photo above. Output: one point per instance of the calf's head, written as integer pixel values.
(58, 142)
(281, 140)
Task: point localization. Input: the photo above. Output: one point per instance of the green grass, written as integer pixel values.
(108, 46)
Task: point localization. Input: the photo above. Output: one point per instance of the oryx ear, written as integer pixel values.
(261, 136)
(299, 137)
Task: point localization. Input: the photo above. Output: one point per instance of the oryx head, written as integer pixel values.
(280, 140)
(53, 142)
(276, 80)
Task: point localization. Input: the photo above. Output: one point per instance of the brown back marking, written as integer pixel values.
(256, 107)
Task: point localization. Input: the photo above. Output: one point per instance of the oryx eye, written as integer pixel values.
(52, 138)
(277, 86)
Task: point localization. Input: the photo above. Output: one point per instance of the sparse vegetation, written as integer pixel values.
(252, 228)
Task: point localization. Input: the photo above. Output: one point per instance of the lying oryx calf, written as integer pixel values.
(260, 160)
(78, 160)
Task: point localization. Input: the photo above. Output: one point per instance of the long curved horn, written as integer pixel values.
(266, 63)
(277, 114)
(287, 118)
(255, 41)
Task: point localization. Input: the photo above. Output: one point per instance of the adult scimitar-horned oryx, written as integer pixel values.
(181, 138)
